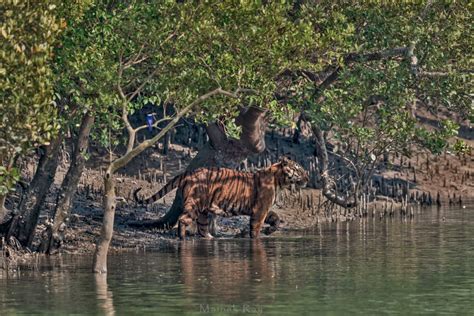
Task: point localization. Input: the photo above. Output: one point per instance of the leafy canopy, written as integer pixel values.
(30, 31)
(175, 52)
(371, 107)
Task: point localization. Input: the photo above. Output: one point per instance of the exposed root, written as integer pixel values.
(13, 256)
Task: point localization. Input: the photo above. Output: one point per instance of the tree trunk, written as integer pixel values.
(166, 143)
(9, 163)
(52, 236)
(24, 223)
(299, 129)
(3, 209)
(100, 257)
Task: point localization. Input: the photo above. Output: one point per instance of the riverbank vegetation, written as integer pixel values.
(356, 93)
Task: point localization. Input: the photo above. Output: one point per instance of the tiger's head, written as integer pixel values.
(292, 173)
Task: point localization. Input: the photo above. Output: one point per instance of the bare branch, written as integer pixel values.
(154, 125)
(149, 77)
(413, 59)
(135, 60)
(445, 73)
(373, 56)
(122, 161)
(143, 84)
(350, 162)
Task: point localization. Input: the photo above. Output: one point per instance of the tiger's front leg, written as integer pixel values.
(261, 208)
(256, 223)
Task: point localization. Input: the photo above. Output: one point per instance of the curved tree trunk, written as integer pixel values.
(52, 237)
(24, 223)
(328, 183)
(166, 143)
(109, 200)
(299, 130)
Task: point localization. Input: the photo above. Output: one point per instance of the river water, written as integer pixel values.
(370, 267)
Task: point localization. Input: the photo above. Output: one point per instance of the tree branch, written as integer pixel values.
(154, 125)
(253, 123)
(142, 85)
(373, 56)
(216, 134)
(445, 73)
(328, 183)
(130, 154)
(135, 60)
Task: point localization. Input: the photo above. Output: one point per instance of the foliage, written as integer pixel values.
(461, 148)
(8, 178)
(238, 45)
(29, 32)
(174, 53)
(370, 108)
(122, 55)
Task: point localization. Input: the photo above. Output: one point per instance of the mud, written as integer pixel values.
(449, 175)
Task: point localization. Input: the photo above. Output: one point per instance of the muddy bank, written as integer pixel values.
(447, 175)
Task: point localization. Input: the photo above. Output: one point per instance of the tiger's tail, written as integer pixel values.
(170, 186)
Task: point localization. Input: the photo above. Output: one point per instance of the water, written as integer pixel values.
(424, 266)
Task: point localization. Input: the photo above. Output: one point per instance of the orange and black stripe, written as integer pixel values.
(170, 186)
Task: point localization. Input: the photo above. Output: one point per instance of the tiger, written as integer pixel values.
(228, 192)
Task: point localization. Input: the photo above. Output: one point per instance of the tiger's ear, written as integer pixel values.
(284, 160)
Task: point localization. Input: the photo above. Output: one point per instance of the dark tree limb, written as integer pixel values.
(24, 222)
(216, 134)
(228, 152)
(253, 121)
(328, 183)
(301, 126)
(69, 186)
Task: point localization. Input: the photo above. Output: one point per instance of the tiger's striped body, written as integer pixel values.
(228, 192)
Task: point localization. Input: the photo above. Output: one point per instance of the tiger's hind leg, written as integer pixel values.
(186, 218)
(190, 210)
(184, 221)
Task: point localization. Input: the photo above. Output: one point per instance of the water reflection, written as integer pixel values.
(104, 295)
(226, 269)
(423, 266)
